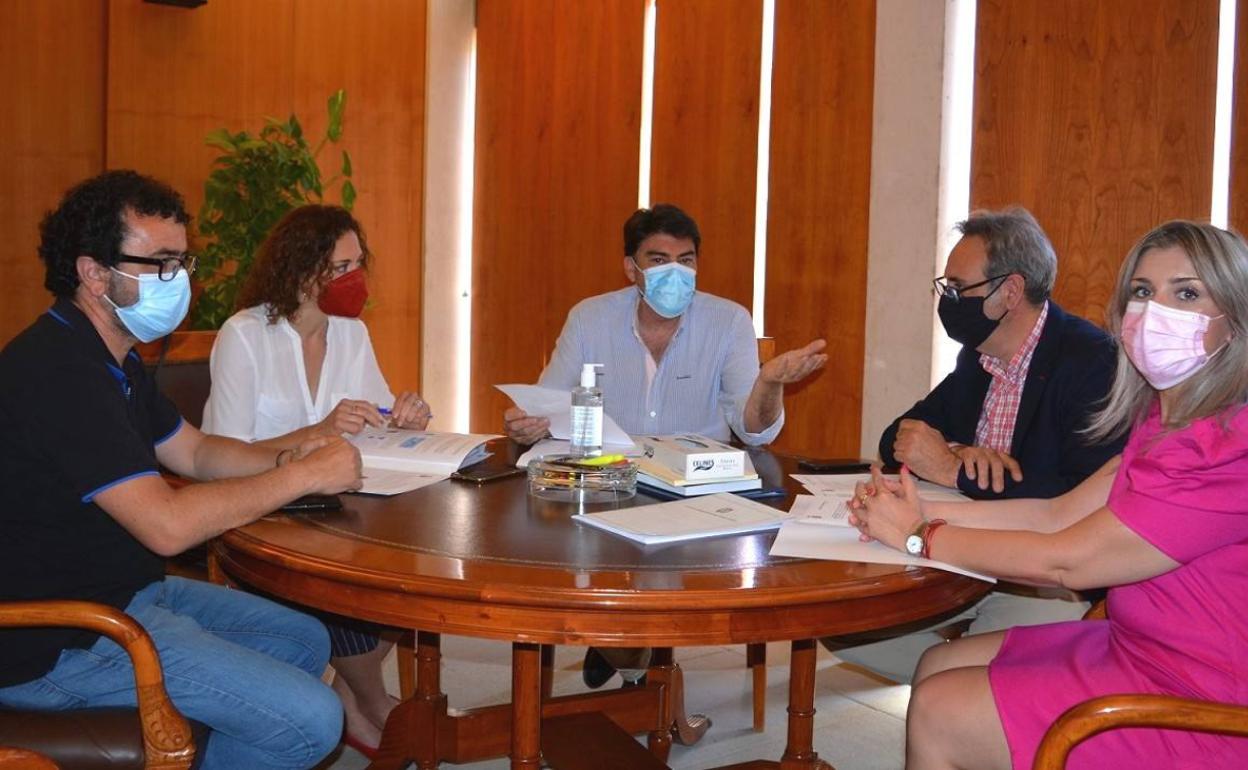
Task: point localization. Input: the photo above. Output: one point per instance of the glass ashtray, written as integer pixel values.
(560, 478)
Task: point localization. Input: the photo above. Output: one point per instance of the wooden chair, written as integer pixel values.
(97, 737)
(1111, 712)
(21, 759)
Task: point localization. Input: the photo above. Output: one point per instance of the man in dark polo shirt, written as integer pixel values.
(85, 514)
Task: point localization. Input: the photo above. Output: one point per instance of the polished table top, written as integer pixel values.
(420, 559)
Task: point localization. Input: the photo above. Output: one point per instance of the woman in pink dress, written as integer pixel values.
(1164, 526)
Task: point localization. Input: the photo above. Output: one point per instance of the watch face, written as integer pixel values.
(914, 545)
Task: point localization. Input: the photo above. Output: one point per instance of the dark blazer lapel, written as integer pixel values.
(1043, 363)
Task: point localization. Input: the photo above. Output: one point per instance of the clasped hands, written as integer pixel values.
(886, 510)
(924, 450)
(332, 461)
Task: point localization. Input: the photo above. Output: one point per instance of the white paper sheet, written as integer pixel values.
(709, 516)
(384, 481)
(842, 485)
(827, 510)
(556, 406)
(818, 541)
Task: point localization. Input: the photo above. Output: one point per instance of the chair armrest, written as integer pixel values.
(166, 734)
(1098, 611)
(1111, 712)
(21, 759)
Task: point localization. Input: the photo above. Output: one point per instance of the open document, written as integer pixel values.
(828, 502)
(699, 517)
(840, 543)
(556, 406)
(397, 460)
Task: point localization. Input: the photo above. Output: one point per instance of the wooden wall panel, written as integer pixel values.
(1238, 215)
(51, 133)
(1098, 118)
(232, 62)
(176, 74)
(557, 135)
(819, 194)
(375, 50)
(705, 131)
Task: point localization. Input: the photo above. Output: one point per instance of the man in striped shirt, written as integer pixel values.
(675, 360)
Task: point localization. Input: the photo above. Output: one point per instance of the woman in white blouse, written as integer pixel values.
(297, 363)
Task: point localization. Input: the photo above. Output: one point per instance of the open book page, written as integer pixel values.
(709, 516)
(383, 481)
(816, 541)
(418, 451)
(556, 406)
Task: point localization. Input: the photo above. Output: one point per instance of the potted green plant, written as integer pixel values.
(253, 183)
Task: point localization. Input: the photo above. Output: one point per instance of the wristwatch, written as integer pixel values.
(919, 543)
(914, 543)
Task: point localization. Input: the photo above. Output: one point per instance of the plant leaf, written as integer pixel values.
(221, 139)
(337, 105)
(346, 163)
(348, 195)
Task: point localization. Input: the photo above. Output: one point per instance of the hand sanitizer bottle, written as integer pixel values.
(587, 414)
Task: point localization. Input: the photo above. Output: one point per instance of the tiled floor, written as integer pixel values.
(859, 724)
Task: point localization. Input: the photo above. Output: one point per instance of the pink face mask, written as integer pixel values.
(1166, 345)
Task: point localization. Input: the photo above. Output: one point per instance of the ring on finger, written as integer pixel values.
(862, 499)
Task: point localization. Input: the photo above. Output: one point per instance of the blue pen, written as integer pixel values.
(386, 412)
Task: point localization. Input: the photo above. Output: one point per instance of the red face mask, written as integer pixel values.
(345, 295)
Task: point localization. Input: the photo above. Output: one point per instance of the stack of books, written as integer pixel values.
(688, 465)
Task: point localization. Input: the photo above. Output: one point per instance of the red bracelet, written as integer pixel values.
(932, 526)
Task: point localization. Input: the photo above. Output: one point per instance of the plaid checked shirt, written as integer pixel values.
(996, 422)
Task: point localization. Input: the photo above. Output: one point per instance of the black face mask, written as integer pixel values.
(964, 319)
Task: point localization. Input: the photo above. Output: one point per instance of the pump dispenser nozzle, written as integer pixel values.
(589, 375)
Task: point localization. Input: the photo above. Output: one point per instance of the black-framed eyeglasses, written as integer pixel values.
(169, 266)
(944, 289)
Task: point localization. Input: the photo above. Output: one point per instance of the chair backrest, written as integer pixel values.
(184, 375)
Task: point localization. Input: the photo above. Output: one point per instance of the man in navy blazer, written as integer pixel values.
(1008, 422)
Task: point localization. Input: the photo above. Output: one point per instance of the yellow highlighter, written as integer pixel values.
(602, 460)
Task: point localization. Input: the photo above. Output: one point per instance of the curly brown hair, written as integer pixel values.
(296, 251)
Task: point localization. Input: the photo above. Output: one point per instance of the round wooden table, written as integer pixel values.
(492, 561)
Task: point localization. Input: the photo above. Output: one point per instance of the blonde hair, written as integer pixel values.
(1220, 259)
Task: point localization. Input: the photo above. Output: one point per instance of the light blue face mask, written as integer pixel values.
(669, 288)
(161, 307)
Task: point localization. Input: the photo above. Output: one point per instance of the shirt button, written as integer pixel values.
(653, 414)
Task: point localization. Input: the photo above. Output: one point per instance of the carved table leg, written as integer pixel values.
(756, 660)
(661, 667)
(548, 670)
(526, 706)
(411, 731)
(405, 655)
(800, 753)
(688, 730)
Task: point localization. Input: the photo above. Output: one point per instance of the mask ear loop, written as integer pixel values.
(987, 296)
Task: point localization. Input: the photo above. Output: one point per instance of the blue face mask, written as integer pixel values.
(669, 288)
(161, 307)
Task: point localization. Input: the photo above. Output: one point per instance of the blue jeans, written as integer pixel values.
(245, 666)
